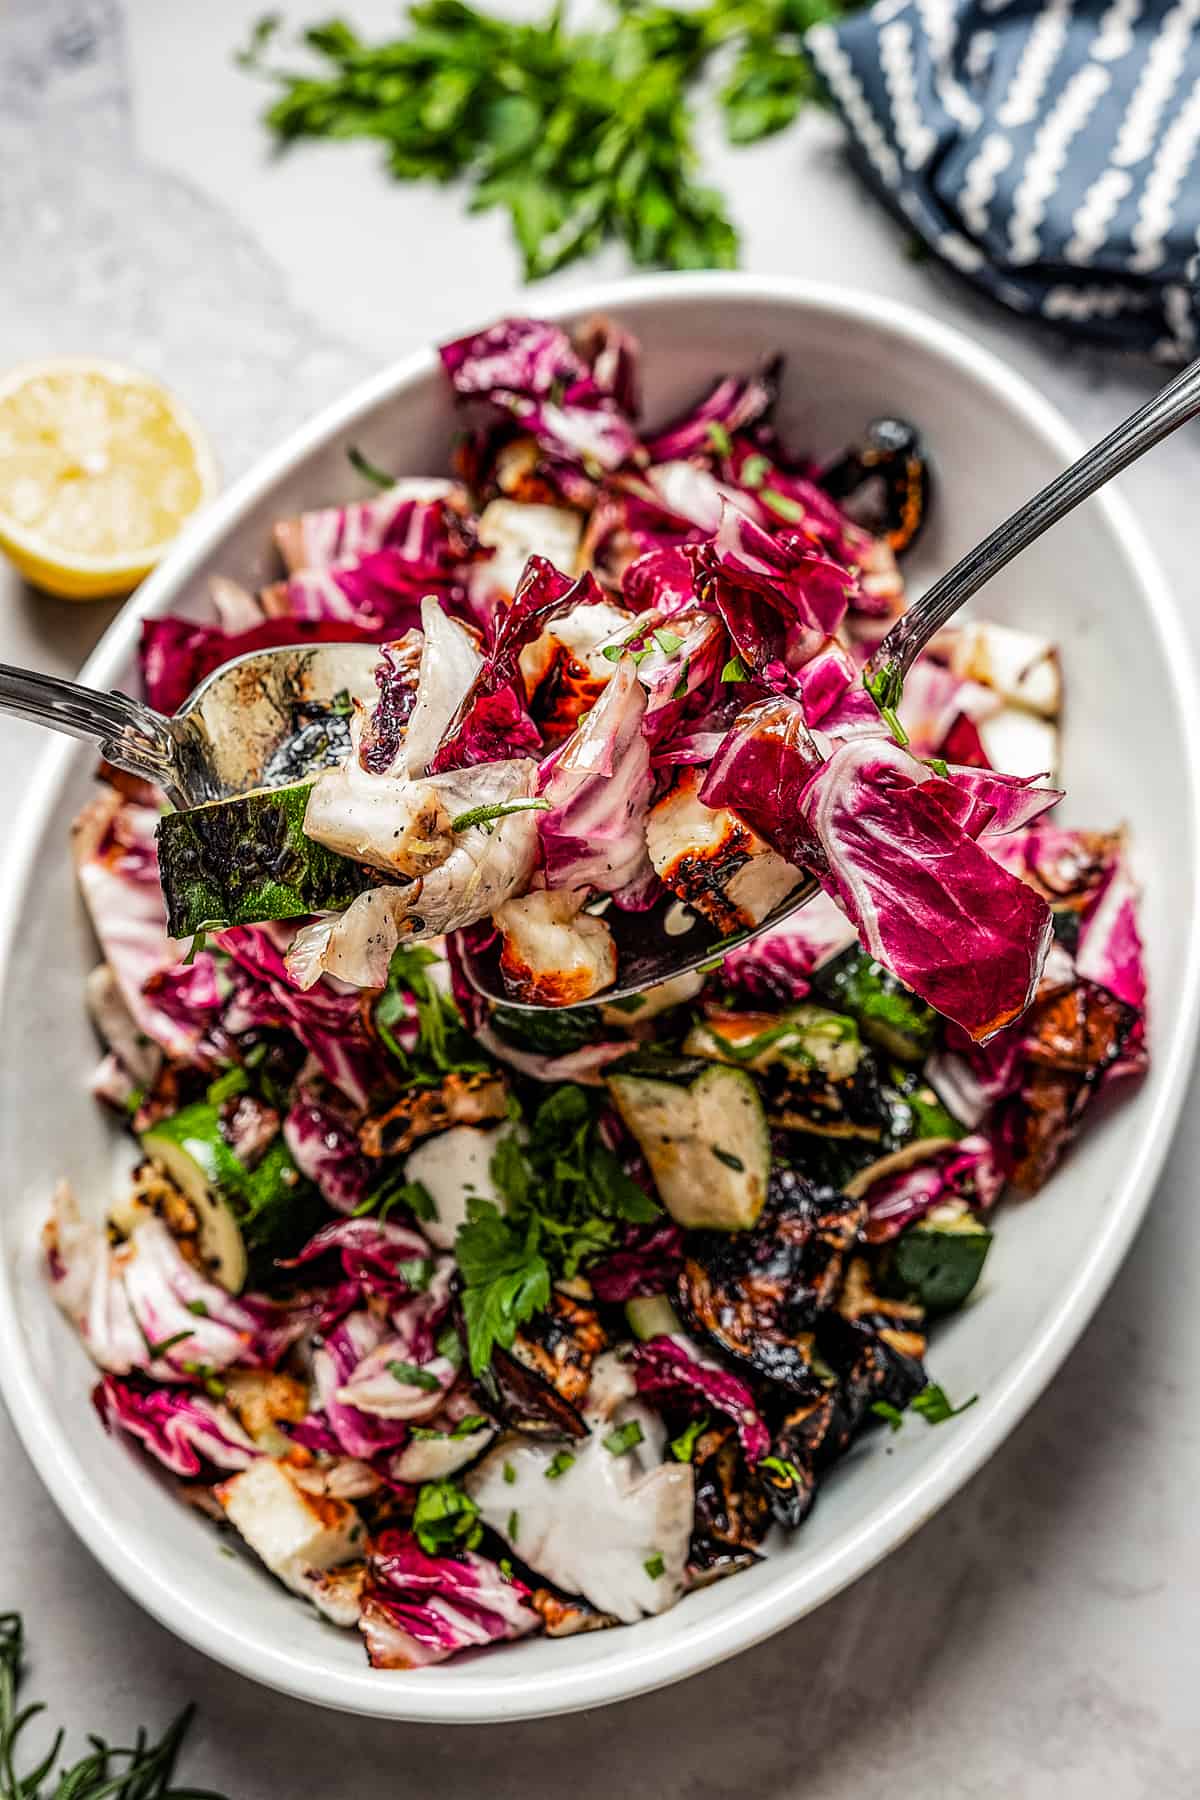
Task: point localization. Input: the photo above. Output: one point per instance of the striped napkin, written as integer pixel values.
(1048, 152)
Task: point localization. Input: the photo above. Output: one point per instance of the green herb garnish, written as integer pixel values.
(886, 687)
(368, 470)
(719, 439)
(497, 809)
(934, 1406)
(138, 1771)
(728, 1158)
(668, 641)
(654, 1566)
(514, 1520)
(883, 1409)
(624, 1439)
(411, 1375)
(582, 135)
(754, 471)
(735, 670)
(683, 1447)
(561, 1462)
(510, 1474)
(565, 1195)
(445, 1518)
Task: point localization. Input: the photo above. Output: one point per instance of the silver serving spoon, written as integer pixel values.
(224, 737)
(650, 947)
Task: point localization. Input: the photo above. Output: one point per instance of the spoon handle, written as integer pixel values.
(131, 736)
(1171, 407)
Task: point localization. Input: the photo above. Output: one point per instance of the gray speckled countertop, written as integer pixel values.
(1039, 1637)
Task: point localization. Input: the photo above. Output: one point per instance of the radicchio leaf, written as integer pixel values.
(420, 1609)
(183, 1430)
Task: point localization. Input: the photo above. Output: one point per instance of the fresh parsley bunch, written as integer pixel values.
(565, 1196)
(581, 136)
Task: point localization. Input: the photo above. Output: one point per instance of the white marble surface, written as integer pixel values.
(1039, 1637)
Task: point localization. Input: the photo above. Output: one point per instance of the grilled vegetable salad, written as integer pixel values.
(470, 1323)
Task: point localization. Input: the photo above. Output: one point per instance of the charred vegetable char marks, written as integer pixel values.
(756, 1294)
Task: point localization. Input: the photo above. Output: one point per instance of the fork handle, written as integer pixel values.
(1171, 407)
(131, 736)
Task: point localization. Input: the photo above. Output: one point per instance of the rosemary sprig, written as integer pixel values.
(138, 1771)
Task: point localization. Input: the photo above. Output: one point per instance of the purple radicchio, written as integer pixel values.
(185, 1431)
(598, 787)
(379, 593)
(327, 1021)
(780, 597)
(965, 1170)
(116, 863)
(671, 1369)
(412, 517)
(733, 404)
(531, 371)
(325, 1148)
(141, 1305)
(928, 902)
(421, 1609)
(647, 1262)
(492, 722)
(384, 1261)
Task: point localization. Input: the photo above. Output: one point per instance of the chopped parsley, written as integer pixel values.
(420, 1025)
(655, 1566)
(445, 1518)
(683, 1447)
(754, 471)
(199, 1307)
(934, 1406)
(565, 1197)
(510, 1474)
(465, 1428)
(719, 439)
(735, 670)
(931, 1404)
(668, 641)
(624, 1439)
(782, 505)
(562, 1461)
(728, 1158)
(410, 1375)
(781, 1468)
(514, 1521)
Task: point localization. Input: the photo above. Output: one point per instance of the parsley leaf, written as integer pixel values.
(412, 1375)
(445, 1518)
(624, 1439)
(581, 136)
(654, 1566)
(934, 1406)
(883, 1409)
(419, 1024)
(559, 1464)
(683, 1448)
(506, 1279)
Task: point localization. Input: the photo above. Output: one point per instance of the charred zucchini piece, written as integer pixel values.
(241, 1211)
(885, 1010)
(757, 1295)
(939, 1261)
(239, 861)
(652, 1315)
(706, 1141)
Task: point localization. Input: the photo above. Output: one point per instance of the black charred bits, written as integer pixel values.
(561, 1344)
(1072, 1038)
(756, 1294)
(886, 478)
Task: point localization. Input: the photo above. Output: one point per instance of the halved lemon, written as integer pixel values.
(99, 468)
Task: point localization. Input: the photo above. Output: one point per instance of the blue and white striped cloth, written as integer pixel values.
(1047, 151)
